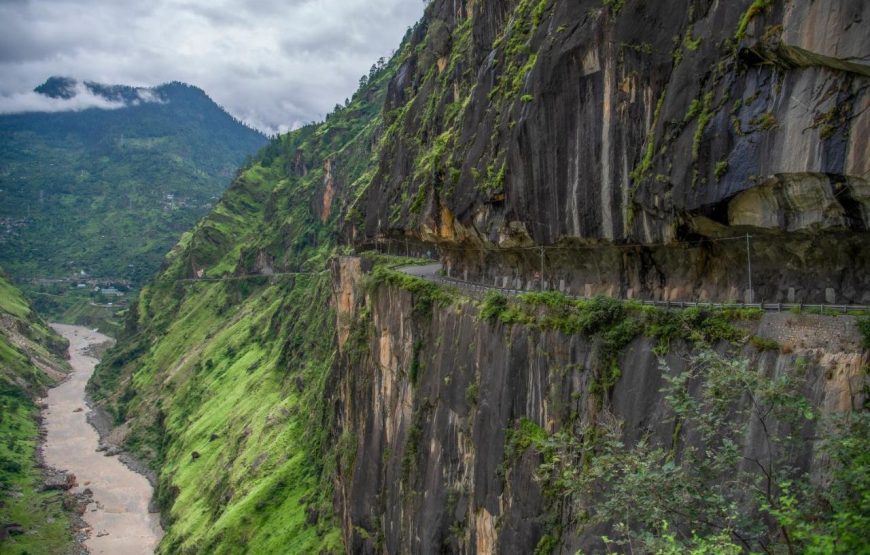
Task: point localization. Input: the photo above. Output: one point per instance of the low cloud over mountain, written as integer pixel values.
(63, 94)
(274, 64)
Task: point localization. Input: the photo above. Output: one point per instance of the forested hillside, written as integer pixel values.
(98, 196)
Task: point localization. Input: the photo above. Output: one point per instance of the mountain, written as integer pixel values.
(259, 348)
(32, 357)
(583, 171)
(106, 191)
(655, 135)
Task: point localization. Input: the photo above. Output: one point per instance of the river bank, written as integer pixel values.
(118, 517)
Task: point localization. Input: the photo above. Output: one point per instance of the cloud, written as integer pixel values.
(77, 96)
(147, 95)
(273, 63)
(34, 102)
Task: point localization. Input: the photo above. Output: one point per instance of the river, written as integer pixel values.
(118, 518)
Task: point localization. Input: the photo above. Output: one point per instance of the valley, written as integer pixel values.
(96, 197)
(559, 277)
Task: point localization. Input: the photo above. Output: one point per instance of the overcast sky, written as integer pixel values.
(273, 63)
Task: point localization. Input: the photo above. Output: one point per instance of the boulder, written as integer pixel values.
(60, 481)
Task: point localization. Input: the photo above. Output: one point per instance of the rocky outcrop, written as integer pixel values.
(584, 126)
(328, 191)
(347, 276)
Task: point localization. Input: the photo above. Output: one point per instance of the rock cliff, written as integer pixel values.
(434, 400)
(630, 138)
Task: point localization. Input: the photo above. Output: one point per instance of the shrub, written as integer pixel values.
(864, 328)
(493, 305)
(764, 122)
(471, 394)
(763, 344)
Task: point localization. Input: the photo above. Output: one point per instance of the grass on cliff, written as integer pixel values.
(426, 294)
(45, 521)
(223, 383)
(620, 321)
(238, 441)
(613, 324)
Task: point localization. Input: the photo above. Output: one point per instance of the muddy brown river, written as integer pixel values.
(118, 518)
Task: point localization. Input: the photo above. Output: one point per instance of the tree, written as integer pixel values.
(709, 490)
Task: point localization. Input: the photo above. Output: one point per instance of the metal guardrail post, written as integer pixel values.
(749, 267)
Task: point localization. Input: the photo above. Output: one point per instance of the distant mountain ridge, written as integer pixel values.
(66, 88)
(108, 191)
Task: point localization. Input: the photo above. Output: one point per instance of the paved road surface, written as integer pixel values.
(431, 272)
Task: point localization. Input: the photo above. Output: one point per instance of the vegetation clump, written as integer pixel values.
(755, 9)
(764, 344)
(493, 305)
(864, 329)
(704, 117)
(764, 122)
(426, 294)
(656, 502)
(619, 321)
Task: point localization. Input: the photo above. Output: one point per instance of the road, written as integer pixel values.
(432, 272)
(428, 271)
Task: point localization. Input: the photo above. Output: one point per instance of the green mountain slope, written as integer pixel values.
(109, 191)
(295, 403)
(223, 381)
(31, 358)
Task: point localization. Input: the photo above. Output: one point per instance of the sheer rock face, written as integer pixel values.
(538, 123)
(433, 473)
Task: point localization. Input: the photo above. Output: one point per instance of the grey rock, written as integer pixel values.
(59, 481)
(608, 151)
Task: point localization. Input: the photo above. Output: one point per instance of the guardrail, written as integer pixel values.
(769, 307)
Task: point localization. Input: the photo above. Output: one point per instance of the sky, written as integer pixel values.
(275, 64)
